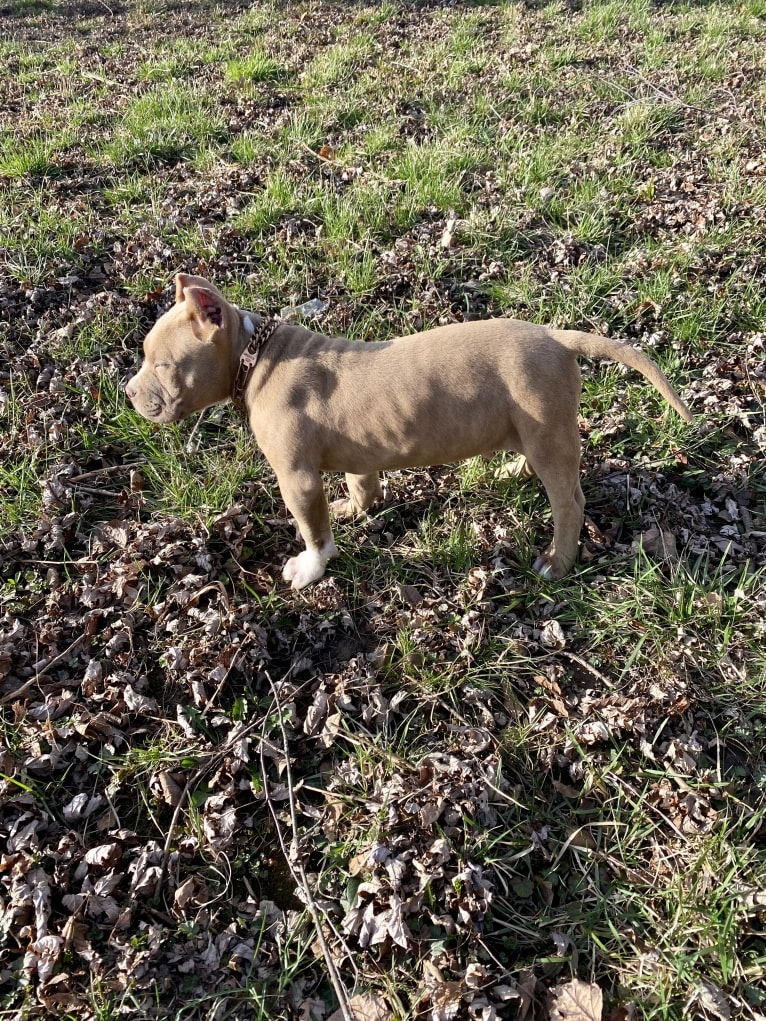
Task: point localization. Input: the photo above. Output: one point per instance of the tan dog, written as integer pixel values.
(327, 404)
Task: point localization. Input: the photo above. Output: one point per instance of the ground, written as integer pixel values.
(431, 783)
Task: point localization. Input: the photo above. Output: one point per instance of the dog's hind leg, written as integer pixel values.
(304, 496)
(363, 491)
(558, 470)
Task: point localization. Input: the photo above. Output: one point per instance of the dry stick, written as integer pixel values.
(301, 878)
(48, 666)
(233, 663)
(106, 470)
(189, 448)
(585, 665)
(94, 491)
(196, 776)
(672, 97)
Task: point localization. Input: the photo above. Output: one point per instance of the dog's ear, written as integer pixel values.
(182, 281)
(205, 308)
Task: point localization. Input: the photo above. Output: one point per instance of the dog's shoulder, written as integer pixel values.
(308, 342)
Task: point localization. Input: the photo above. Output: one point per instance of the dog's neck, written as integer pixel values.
(254, 332)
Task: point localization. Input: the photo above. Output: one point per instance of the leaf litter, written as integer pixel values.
(186, 767)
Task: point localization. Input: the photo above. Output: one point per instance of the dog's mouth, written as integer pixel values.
(163, 415)
(153, 409)
(155, 404)
(158, 415)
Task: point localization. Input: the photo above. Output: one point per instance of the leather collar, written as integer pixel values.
(249, 357)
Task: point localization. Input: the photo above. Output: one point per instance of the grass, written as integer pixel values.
(256, 67)
(164, 125)
(594, 166)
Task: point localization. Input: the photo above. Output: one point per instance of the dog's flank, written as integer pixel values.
(320, 403)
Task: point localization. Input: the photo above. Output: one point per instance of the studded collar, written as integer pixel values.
(260, 335)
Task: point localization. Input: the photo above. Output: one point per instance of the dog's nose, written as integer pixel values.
(130, 390)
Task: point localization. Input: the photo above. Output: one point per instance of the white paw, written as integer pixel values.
(551, 567)
(543, 568)
(308, 566)
(343, 509)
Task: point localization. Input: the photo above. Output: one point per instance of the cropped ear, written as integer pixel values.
(182, 281)
(205, 308)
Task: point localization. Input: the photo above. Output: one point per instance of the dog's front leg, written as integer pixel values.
(303, 494)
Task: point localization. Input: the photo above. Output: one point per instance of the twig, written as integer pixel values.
(196, 776)
(106, 470)
(94, 491)
(297, 867)
(671, 97)
(48, 666)
(189, 447)
(225, 677)
(80, 562)
(316, 155)
(586, 666)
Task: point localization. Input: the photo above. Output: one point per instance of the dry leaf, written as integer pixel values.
(104, 855)
(192, 891)
(449, 231)
(576, 1001)
(359, 863)
(659, 543)
(81, 806)
(477, 976)
(552, 635)
(711, 999)
(137, 703)
(410, 595)
(365, 1007)
(171, 786)
(446, 1000)
(316, 714)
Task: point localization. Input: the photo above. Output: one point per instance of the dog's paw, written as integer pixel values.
(308, 566)
(344, 509)
(519, 468)
(303, 569)
(549, 567)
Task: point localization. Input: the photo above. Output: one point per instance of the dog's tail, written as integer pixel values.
(592, 346)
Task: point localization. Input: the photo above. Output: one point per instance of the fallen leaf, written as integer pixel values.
(192, 891)
(659, 543)
(711, 999)
(446, 1000)
(104, 855)
(365, 1007)
(576, 1001)
(170, 786)
(410, 595)
(448, 233)
(552, 635)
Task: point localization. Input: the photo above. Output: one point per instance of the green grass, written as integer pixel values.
(255, 67)
(164, 125)
(32, 158)
(338, 64)
(598, 743)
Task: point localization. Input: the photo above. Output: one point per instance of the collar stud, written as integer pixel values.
(259, 335)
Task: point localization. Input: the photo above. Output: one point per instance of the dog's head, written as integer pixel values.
(189, 361)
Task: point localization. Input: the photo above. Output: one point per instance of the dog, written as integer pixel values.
(317, 404)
